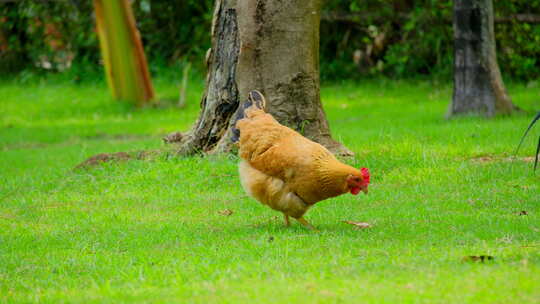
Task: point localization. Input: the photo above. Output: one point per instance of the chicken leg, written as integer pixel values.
(287, 223)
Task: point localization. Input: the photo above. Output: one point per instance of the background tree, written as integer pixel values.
(478, 85)
(269, 46)
(122, 52)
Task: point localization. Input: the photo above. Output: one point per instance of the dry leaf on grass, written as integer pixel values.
(478, 258)
(358, 225)
(226, 212)
(523, 212)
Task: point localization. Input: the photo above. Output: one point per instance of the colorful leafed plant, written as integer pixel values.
(122, 52)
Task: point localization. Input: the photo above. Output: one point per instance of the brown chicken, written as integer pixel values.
(284, 170)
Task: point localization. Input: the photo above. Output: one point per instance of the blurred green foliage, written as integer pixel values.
(50, 34)
(358, 38)
(415, 38)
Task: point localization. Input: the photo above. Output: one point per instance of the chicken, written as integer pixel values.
(284, 170)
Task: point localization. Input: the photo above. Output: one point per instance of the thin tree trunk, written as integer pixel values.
(270, 46)
(478, 85)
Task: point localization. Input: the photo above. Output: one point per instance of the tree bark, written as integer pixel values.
(478, 85)
(270, 46)
(221, 97)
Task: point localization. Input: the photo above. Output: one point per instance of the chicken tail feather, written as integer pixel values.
(256, 99)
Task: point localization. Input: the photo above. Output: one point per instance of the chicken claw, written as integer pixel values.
(303, 221)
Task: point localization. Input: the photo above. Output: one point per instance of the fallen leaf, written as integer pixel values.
(472, 201)
(327, 293)
(358, 225)
(226, 212)
(409, 285)
(478, 258)
(523, 212)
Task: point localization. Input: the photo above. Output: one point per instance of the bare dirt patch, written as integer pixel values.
(492, 159)
(101, 158)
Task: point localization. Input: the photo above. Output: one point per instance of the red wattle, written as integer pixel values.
(355, 190)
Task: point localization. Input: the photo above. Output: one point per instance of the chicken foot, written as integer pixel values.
(287, 223)
(306, 224)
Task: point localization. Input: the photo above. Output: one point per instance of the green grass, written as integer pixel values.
(151, 231)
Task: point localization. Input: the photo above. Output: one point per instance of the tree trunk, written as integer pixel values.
(478, 85)
(270, 46)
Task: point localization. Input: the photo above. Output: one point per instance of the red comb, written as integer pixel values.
(365, 175)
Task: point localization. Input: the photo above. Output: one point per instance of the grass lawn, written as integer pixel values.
(152, 231)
